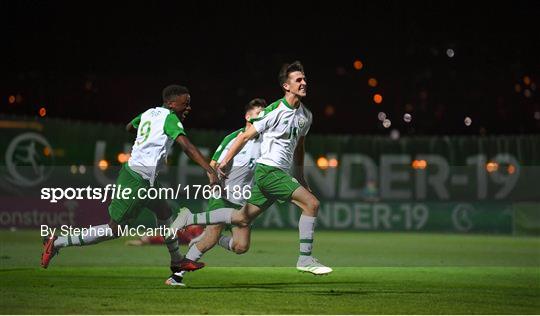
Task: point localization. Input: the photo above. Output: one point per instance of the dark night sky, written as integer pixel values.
(107, 63)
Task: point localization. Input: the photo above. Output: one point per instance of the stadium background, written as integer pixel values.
(426, 119)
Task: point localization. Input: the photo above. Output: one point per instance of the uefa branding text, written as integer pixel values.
(113, 191)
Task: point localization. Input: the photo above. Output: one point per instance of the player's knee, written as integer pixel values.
(313, 207)
(240, 248)
(240, 219)
(316, 204)
(244, 221)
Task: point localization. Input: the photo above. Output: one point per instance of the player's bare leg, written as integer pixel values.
(239, 242)
(241, 235)
(306, 226)
(212, 233)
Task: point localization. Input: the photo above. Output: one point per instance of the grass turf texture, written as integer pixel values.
(375, 273)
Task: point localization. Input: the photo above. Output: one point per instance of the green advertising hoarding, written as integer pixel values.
(458, 184)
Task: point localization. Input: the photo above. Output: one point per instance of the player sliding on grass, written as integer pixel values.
(283, 128)
(157, 130)
(241, 176)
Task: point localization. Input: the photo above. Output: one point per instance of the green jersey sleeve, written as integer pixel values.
(224, 144)
(173, 127)
(136, 121)
(266, 110)
(267, 118)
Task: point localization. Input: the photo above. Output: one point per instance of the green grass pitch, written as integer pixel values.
(375, 273)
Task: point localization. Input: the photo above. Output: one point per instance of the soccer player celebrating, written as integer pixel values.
(240, 177)
(157, 130)
(283, 127)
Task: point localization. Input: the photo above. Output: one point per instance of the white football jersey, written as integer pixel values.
(243, 166)
(280, 126)
(157, 129)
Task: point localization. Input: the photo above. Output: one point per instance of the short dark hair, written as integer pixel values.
(286, 69)
(255, 103)
(172, 91)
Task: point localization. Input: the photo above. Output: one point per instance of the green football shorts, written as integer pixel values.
(123, 210)
(214, 204)
(271, 184)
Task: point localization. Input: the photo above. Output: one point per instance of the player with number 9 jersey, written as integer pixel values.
(157, 130)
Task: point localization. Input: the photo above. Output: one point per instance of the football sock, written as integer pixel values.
(306, 226)
(171, 241)
(94, 235)
(194, 253)
(226, 242)
(219, 216)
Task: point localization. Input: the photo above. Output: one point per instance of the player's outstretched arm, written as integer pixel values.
(194, 154)
(299, 153)
(134, 124)
(238, 144)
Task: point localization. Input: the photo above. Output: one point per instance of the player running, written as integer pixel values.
(283, 127)
(241, 176)
(157, 130)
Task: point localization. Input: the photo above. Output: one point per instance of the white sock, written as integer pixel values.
(219, 216)
(226, 242)
(306, 227)
(194, 253)
(94, 235)
(171, 241)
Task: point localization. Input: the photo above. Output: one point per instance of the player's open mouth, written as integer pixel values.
(184, 114)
